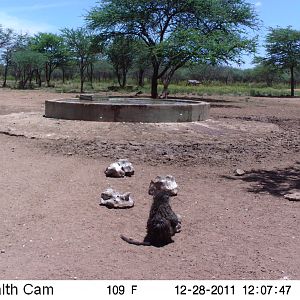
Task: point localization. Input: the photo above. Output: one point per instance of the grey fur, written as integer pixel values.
(162, 223)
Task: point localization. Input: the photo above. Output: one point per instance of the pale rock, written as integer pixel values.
(113, 199)
(163, 183)
(120, 169)
(239, 172)
(126, 167)
(114, 170)
(293, 196)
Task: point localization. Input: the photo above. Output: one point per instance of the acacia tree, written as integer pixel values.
(52, 46)
(141, 61)
(26, 62)
(82, 48)
(6, 43)
(14, 42)
(121, 54)
(5, 36)
(177, 32)
(266, 72)
(283, 51)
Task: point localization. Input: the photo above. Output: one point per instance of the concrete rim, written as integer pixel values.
(110, 110)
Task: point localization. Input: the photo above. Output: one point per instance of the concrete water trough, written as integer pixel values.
(110, 109)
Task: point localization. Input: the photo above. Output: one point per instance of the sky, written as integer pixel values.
(35, 16)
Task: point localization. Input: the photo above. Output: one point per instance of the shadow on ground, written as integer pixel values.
(277, 182)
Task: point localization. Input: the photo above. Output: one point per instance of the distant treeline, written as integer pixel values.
(76, 55)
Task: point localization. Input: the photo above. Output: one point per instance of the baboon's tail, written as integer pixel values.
(133, 242)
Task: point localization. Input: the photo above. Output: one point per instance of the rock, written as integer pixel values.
(114, 170)
(239, 172)
(120, 169)
(2, 251)
(86, 96)
(293, 196)
(126, 167)
(163, 183)
(113, 199)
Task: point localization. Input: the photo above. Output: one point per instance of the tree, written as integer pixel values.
(52, 46)
(26, 62)
(6, 42)
(14, 42)
(82, 48)
(266, 72)
(141, 61)
(178, 32)
(5, 36)
(121, 54)
(283, 51)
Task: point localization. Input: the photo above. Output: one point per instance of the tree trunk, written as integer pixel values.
(5, 75)
(292, 82)
(166, 80)
(81, 75)
(154, 82)
(124, 78)
(39, 78)
(141, 77)
(81, 81)
(92, 74)
(165, 92)
(63, 75)
(30, 79)
(47, 75)
(166, 83)
(119, 79)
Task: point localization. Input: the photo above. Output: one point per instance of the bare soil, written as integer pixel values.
(234, 227)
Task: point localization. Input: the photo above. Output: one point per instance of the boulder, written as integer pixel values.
(293, 196)
(120, 169)
(114, 170)
(126, 167)
(163, 183)
(239, 172)
(114, 199)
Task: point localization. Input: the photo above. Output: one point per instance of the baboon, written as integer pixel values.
(162, 223)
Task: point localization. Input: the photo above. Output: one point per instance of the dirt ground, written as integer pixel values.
(52, 175)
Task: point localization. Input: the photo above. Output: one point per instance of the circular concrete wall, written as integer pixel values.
(127, 110)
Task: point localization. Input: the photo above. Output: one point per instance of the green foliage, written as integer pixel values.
(177, 32)
(49, 44)
(83, 47)
(283, 47)
(79, 42)
(25, 59)
(5, 36)
(283, 50)
(181, 89)
(26, 62)
(121, 54)
(28, 59)
(11, 42)
(53, 48)
(267, 73)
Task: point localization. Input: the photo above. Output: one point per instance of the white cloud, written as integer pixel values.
(257, 4)
(23, 25)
